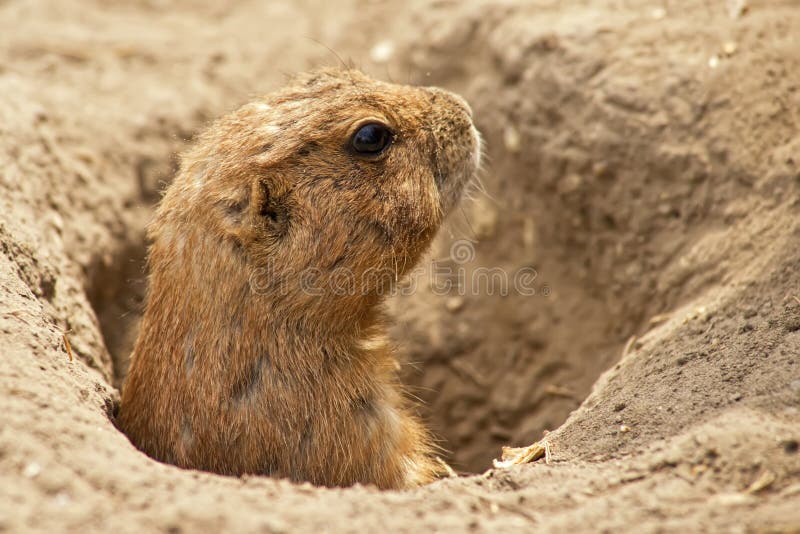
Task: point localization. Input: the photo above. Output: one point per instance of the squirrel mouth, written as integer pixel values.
(464, 175)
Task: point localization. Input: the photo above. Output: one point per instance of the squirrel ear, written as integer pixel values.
(270, 207)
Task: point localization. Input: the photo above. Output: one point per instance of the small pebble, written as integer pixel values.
(624, 428)
(454, 304)
(511, 139)
(528, 233)
(382, 52)
(571, 183)
(61, 499)
(32, 470)
(736, 8)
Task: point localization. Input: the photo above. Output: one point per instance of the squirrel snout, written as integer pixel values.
(443, 97)
(457, 144)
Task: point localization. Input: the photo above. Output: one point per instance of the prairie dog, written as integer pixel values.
(262, 349)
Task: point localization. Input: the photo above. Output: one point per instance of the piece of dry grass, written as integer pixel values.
(559, 391)
(796, 299)
(447, 469)
(16, 314)
(660, 318)
(522, 455)
(496, 505)
(766, 479)
(67, 345)
(628, 346)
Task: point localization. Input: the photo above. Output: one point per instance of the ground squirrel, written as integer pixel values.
(263, 349)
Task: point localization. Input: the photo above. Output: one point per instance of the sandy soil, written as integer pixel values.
(644, 160)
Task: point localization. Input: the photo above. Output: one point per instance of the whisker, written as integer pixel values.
(332, 51)
(469, 224)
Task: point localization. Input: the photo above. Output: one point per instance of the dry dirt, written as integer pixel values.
(644, 160)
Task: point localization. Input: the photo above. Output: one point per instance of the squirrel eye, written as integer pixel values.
(371, 139)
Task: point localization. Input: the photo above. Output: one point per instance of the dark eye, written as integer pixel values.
(371, 139)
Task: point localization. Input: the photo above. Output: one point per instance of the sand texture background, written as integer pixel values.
(643, 159)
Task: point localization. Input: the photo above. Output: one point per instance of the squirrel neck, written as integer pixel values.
(210, 315)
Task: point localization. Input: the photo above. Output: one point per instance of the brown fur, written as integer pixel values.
(249, 359)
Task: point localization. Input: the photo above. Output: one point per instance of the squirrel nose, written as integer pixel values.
(440, 95)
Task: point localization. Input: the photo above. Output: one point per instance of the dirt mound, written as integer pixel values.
(629, 281)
